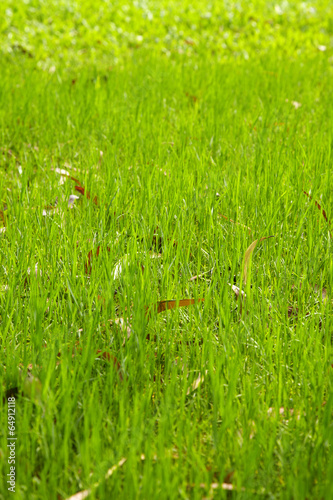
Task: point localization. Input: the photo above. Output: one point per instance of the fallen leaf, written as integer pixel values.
(164, 305)
(86, 193)
(248, 254)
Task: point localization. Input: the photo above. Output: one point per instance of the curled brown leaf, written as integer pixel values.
(164, 305)
(86, 193)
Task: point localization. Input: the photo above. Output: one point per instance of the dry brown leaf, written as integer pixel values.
(164, 305)
(86, 193)
(248, 254)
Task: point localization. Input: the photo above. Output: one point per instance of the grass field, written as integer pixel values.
(144, 147)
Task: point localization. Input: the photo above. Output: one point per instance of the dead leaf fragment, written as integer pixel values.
(86, 193)
(164, 305)
(248, 255)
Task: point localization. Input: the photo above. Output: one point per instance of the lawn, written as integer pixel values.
(166, 249)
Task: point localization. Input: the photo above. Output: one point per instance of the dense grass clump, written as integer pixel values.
(144, 148)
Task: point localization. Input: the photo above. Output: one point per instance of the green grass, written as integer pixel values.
(168, 136)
